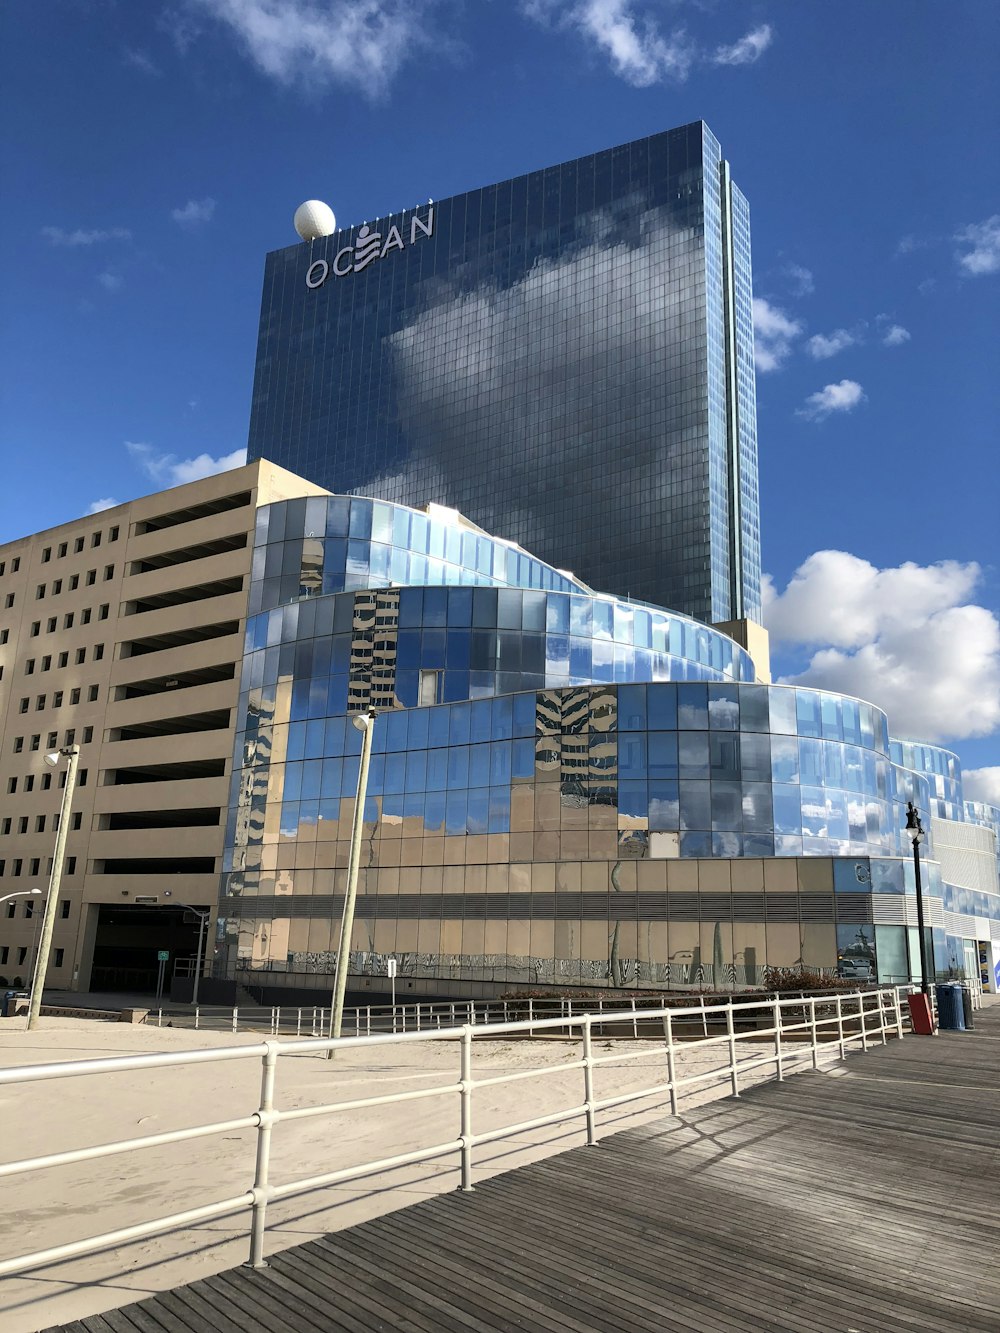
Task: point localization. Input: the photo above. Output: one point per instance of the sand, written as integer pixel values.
(66, 1203)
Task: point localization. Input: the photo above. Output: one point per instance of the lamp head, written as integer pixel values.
(363, 720)
(53, 758)
(914, 828)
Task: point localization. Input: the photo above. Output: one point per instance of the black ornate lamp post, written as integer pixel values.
(915, 832)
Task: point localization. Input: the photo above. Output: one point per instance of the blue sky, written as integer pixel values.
(154, 152)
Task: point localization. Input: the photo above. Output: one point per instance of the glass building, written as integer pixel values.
(566, 787)
(566, 357)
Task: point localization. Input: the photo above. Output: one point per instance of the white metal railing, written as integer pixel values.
(795, 1029)
(372, 1019)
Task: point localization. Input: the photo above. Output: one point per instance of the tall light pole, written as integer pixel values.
(915, 832)
(72, 753)
(365, 723)
(203, 916)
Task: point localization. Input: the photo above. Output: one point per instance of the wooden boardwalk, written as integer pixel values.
(862, 1199)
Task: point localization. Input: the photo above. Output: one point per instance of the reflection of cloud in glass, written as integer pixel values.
(583, 349)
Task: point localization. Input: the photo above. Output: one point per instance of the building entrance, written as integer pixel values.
(129, 939)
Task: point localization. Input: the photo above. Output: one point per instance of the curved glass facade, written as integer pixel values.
(561, 782)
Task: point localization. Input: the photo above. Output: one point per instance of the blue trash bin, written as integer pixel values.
(951, 1017)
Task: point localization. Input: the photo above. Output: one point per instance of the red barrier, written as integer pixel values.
(920, 1014)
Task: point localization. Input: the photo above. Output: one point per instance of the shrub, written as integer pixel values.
(781, 979)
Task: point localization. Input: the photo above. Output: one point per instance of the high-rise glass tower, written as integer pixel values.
(566, 357)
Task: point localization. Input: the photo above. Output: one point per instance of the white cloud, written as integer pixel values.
(801, 279)
(635, 46)
(774, 333)
(982, 784)
(139, 60)
(97, 505)
(842, 397)
(982, 247)
(169, 470)
(638, 49)
(895, 335)
(904, 638)
(821, 346)
(111, 282)
(57, 236)
(357, 43)
(194, 212)
(747, 49)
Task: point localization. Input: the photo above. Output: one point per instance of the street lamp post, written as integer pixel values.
(365, 723)
(203, 916)
(915, 832)
(72, 753)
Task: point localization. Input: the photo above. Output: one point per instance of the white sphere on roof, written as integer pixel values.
(314, 219)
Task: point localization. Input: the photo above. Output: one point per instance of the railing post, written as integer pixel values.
(197, 1016)
(840, 1026)
(668, 1037)
(531, 1017)
(881, 1017)
(813, 1032)
(731, 1030)
(505, 1018)
(471, 1010)
(357, 1022)
(298, 1022)
(861, 1015)
(159, 1018)
(776, 1013)
(635, 1026)
(418, 1017)
(265, 1122)
(704, 1019)
(588, 1082)
(899, 1015)
(368, 1021)
(236, 1014)
(466, 1095)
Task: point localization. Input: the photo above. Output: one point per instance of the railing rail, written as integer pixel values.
(793, 1030)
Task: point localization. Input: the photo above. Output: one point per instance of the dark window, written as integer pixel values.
(11, 786)
(91, 577)
(109, 572)
(29, 782)
(36, 627)
(98, 651)
(85, 616)
(22, 707)
(78, 546)
(102, 611)
(57, 698)
(62, 549)
(39, 703)
(29, 667)
(53, 740)
(71, 865)
(74, 696)
(34, 865)
(92, 694)
(62, 659)
(57, 957)
(95, 539)
(39, 592)
(47, 662)
(74, 582)
(18, 744)
(81, 656)
(46, 554)
(113, 534)
(51, 624)
(88, 735)
(57, 587)
(64, 909)
(68, 620)
(39, 823)
(77, 821)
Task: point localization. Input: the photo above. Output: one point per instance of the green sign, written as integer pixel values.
(163, 956)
